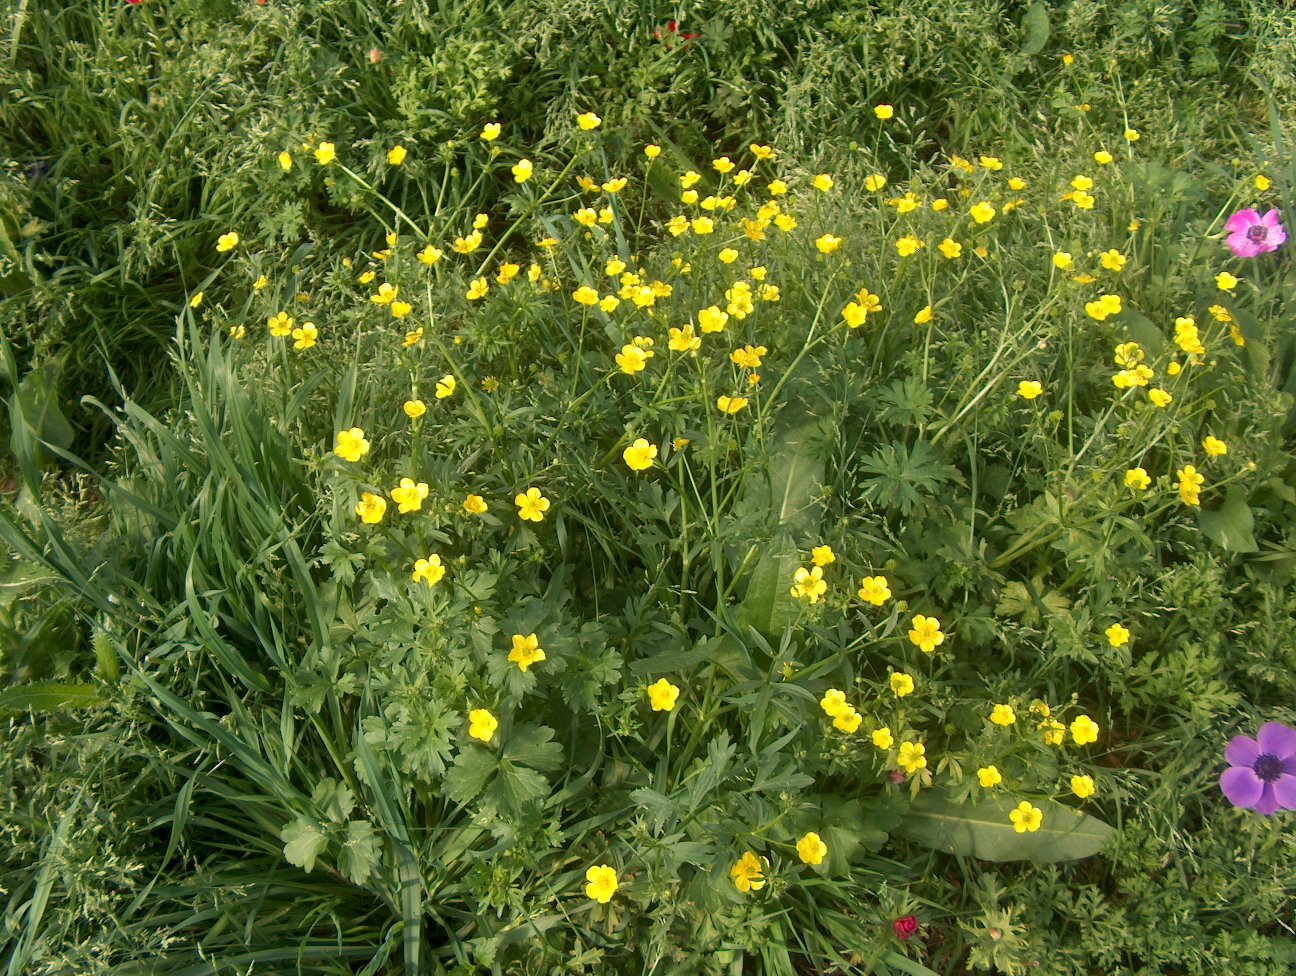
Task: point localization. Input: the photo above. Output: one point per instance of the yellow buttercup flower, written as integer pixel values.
(950, 248)
(723, 165)
(1017, 183)
(924, 315)
(761, 152)
(586, 295)
(1117, 635)
(689, 178)
(1189, 485)
(531, 505)
(1214, 446)
(749, 357)
(912, 756)
(712, 319)
(901, 684)
(588, 121)
(386, 293)
(396, 155)
(602, 883)
(907, 245)
(490, 131)
(477, 288)
(703, 225)
(823, 182)
(1112, 260)
(1159, 397)
(409, 496)
(482, 724)
(827, 244)
(260, 283)
(1062, 260)
(196, 300)
(227, 242)
(640, 455)
(632, 359)
(474, 504)
(991, 162)
(729, 404)
(847, 720)
(324, 154)
(811, 849)
(430, 254)
(982, 212)
(882, 738)
(940, 203)
(414, 408)
(413, 337)
(1003, 715)
(1082, 786)
(1054, 732)
(1026, 817)
(616, 185)
(683, 339)
(742, 177)
(1137, 478)
(1132, 135)
(1105, 305)
(822, 555)
(526, 651)
(237, 331)
(371, 507)
(445, 386)
(989, 776)
(652, 152)
(1029, 389)
(351, 444)
(926, 633)
(662, 695)
(833, 702)
(522, 170)
(728, 255)
(285, 161)
(306, 336)
(400, 309)
(809, 583)
(883, 112)
(507, 272)
(1102, 157)
(1226, 282)
(1082, 183)
(747, 873)
(875, 590)
(1084, 730)
(777, 188)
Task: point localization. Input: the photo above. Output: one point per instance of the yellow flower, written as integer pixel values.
(747, 873)
(430, 254)
(1067, 59)
(1137, 478)
(586, 295)
(950, 248)
(490, 132)
(749, 357)
(1054, 732)
(712, 319)
(854, 315)
(662, 695)
(940, 203)
(1102, 157)
(1225, 281)
(875, 590)
(652, 152)
(507, 272)
(882, 738)
(474, 504)
(632, 359)
(926, 633)
(1261, 182)
(227, 242)
(1084, 730)
(533, 272)
(602, 878)
(924, 315)
(811, 848)
(912, 756)
(414, 409)
(396, 155)
(586, 216)
(616, 185)
(371, 507)
(1128, 353)
(386, 293)
(1221, 313)
(683, 340)
(306, 336)
(728, 255)
(237, 331)
(1029, 389)
(761, 152)
(409, 496)
(640, 455)
(875, 182)
(982, 212)
(1159, 397)
(677, 224)
(482, 724)
(723, 165)
(908, 245)
(1105, 305)
(285, 161)
(989, 776)
(833, 702)
(822, 555)
(1003, 715)
(1083, 201)
(413, 337)
(526, 651)
(729, 404)
(827, 244)
(261, 282)
(1082, 183)
(689, 178)
(1017, 183)
(991, 162)
(1214, 446)
(847, 720)
(1082, 786)
(1112, 260)
(809, 583)
(742, 177)
(1189, 484)
(777, 188)
(823, 182)
(477, 288)
(785, 222)
(351, 444)
(1132, 135)
(1062, 260)
(1117, 635)
(324, 155)
(901, 684)
(522, 170)
(703, 225)
(400, 309)
(1026, 817)
(445, 386)
(196, 300)
(531, 505)
(588, 121)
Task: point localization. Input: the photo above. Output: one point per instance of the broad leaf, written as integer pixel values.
(984, 830)
(48, 696)
(467, 778)
(303, 843)
(1231, 524)
(769, 605)
(1035, 27)
(361, 851)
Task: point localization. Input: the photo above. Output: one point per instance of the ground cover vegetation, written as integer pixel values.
(808, 490)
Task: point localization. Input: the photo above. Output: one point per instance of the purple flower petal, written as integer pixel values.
(1289, 765)
(1242, 750)
(1241, 785)
(1242, 220)
(1285, 791)
(1271, 218)
(1268, 802)
(1277, 739)
(1242, 246)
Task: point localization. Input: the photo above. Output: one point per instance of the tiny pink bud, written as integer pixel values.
(896, 776)
(375, 55)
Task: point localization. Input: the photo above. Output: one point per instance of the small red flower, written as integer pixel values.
(905, 927)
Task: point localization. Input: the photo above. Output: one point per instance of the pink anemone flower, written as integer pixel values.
(1250, 234)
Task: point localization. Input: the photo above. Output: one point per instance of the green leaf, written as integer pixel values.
(769, 605)
(48, 696)
(303, 843)
(903, 475)
(1141, 329)
(530, 745)
(38, 397)
(1035, 26)
(361, 850)
(1230, 525)
(337, 801)
(984, 830)
(467, 778)
(106, 655)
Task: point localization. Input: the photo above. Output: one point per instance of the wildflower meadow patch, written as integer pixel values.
(698, 558)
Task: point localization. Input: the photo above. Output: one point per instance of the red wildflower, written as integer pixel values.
(905, 927)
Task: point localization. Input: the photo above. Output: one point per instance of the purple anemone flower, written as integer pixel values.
(1262, 771)
(1250, 234)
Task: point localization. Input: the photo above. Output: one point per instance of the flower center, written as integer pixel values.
(1268, 767)
(1257, 233)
